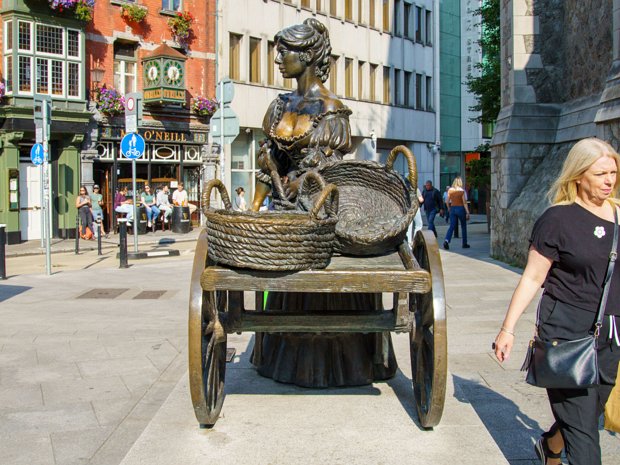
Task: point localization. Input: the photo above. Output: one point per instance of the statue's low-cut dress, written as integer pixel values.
(319, 359)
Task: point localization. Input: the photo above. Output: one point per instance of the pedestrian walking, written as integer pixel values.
(445, 205)
(457, 203)
(433, 205)
(96, 201)
(568, 256)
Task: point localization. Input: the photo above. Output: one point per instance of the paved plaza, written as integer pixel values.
(93, 370)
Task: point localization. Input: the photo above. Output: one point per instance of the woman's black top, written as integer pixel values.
(579, 243)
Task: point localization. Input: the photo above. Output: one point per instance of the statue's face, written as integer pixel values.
(288, 62)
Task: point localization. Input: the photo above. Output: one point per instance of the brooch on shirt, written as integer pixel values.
(599, 231)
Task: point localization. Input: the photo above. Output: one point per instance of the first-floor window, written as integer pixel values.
(8, 80)
(24, 73)
(124, 76)
(170, 5)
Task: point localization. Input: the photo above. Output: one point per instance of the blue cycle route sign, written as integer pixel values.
(37, 154)
(132, 146)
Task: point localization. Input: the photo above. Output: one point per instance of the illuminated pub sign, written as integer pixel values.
(164, 76)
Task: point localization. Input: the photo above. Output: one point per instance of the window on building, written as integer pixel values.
(271, 64)
(125, 65)
(371, 13)
(408, 20)
(234, 57)
(255, 62)
(348, 77)
(429, 93)
(386, 15)
(418, 24)
(372, 83)
(305, 3)
(408, 85)
(169, 5)
(398, 96)
(429, 27)
(288, 83)
(48, 59)
(333, 75)
(319, 5)
(360, 11)
(360, 79)
(396, 18)
(418, 92)
(244, 153)
(386, 85)
(333, 7)
(348, 10)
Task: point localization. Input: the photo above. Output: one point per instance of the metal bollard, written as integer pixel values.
(99, 236)
(2, 251)
(122, 229)
(77, 235)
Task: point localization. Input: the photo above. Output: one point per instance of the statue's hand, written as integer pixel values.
(291, 189)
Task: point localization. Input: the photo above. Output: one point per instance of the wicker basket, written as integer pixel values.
(375, 206)
(273, 240)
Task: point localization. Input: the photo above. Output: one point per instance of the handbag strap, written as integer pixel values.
(610, 270)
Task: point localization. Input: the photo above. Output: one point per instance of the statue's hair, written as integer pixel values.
(579, 159)
(311, 36)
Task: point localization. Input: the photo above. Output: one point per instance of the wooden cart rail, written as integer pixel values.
(414, 281)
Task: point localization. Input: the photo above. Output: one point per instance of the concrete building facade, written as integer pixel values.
(382, 69)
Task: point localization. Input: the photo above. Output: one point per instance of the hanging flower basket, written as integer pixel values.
(134, 13)
(204, 106)
(109, 101)
(181, 26)
(80, 9)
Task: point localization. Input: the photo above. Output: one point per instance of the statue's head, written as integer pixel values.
(311, 41)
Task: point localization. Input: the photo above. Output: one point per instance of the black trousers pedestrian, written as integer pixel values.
(577, 411)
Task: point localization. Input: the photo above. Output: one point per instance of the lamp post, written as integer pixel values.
(96, 75)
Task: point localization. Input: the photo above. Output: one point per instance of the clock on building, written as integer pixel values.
(173, 73)
(164, 77)
(152, 73)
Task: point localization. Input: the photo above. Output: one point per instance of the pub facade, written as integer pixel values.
(165, 51)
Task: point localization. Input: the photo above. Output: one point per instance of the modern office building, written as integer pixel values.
(459, 50)
(382, 69)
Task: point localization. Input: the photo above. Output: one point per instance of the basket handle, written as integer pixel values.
(329, 191)
(206, 195)
(411, 163)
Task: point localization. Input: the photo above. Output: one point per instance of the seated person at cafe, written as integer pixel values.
(163, 203)
(148, 200)
(123, 205)
(179, 197)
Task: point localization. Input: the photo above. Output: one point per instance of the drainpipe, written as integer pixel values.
(436, 151)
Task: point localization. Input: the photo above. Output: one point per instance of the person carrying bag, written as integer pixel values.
(569, 256)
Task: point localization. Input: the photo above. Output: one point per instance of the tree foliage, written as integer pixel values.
(486, 86)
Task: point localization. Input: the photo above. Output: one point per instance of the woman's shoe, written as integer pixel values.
(543, 452)
(466, 246)
(446, 245)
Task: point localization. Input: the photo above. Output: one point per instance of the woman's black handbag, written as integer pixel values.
(570, 364)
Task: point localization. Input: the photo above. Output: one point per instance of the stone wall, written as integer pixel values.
(560, 83)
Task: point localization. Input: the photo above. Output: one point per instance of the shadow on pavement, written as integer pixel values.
(8, 291)
(512, 430)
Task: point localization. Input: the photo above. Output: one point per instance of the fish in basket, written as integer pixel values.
(375, 204)
(273, 240)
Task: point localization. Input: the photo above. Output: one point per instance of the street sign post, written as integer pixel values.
(133, 105)
(36, 154)
(132, 147)
(42, 122)
(224, 123)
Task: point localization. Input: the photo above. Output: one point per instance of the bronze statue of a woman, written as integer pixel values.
(310, 126)
(306, 129)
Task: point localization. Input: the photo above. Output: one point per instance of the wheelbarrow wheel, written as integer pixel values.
(207, 345)
(428, 339)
